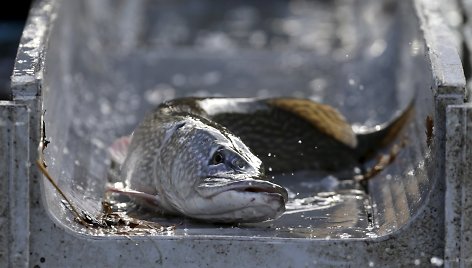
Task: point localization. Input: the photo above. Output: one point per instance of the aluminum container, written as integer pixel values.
(87, 71)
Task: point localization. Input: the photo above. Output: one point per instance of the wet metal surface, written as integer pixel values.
(247, 50)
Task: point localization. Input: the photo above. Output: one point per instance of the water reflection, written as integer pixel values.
(323, 209)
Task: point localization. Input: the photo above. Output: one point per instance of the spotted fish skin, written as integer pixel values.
(180, 163)
(291, 134)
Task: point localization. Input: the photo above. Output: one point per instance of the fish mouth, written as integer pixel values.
(237, 199)
(212, 186)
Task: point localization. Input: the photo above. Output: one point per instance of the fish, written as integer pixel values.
(180, 163)
(208, 158)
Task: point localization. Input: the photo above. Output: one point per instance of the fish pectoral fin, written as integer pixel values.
(325, 118)
(119, 149)
(144, 198)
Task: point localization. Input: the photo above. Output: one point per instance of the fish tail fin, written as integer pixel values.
(372, 140)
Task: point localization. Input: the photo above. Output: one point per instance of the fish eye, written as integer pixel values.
(217, 158)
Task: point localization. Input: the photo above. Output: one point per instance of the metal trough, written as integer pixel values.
(91, 69)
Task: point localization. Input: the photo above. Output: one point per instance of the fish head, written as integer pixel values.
(215, 177)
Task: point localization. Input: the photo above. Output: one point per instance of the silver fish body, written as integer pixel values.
(183, 164)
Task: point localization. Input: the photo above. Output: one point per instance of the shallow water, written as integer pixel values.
(321, 208)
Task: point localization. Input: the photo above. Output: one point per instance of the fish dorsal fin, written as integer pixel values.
(321, 116)
(119, 149)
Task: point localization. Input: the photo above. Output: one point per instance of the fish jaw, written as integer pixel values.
(220, 199)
